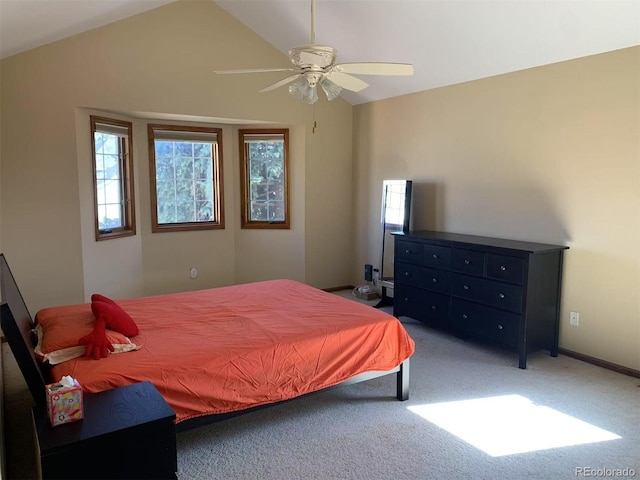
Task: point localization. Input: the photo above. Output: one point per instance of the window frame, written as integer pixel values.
(245, 201)
(127, 180)
(217, 178)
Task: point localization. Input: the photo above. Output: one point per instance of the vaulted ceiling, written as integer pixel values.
(447, 41)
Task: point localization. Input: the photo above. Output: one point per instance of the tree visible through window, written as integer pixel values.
(264, 178)
(113, 177)
(186, 173)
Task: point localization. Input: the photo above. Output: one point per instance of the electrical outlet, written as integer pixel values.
(574, 319)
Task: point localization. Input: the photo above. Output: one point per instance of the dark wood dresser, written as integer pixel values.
(506, 292)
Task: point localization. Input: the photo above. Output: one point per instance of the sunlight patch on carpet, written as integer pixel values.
(510, 424)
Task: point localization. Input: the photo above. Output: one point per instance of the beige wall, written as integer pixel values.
(158, 66)
(549, 154)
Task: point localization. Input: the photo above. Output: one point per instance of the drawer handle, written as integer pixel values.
(467, 262)
(435, 256)
(433, 307)
(466, 287)
(499, 327)
(434, 280)
(406, 299)
(503, 268)
(407, 274)
(407, 251)
(501, 295)
(464, 315)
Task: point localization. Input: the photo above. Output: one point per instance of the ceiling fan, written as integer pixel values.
(315, 65)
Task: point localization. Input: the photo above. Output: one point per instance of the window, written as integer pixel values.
(186, 178)
(264, 178)
(113, 178)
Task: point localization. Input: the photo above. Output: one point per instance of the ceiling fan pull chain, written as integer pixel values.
(315, 124)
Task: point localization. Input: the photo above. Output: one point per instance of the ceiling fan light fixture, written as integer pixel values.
(315, 65)
(331, 90)
(301, 90)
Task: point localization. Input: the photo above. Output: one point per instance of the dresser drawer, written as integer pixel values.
(436, 256)
(488, 292)
(421, 304)
(505, 268)
(468, 261)
(485, 322)
(422, 277)
(409, 251)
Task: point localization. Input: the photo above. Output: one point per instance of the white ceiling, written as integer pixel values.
(447, 41)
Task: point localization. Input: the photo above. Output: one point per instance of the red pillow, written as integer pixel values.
(96, 297)
(114, 317)
(58, 333)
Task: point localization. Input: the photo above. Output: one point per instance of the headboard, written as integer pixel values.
(17, 326)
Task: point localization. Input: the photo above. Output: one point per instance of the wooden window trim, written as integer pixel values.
(126, 165)
(246, 223)
(218, 193)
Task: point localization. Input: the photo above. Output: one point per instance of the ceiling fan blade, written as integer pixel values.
(347, 81)
(282, 82)
(374, 68)
(253, 70)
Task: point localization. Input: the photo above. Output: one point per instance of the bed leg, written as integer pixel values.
(402, 381)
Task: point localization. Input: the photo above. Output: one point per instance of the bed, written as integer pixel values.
(224, 351)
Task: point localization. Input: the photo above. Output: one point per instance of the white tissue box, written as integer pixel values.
(64, 402)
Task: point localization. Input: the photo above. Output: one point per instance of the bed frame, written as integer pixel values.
(17, 326)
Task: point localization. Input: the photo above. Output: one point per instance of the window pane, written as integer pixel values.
(99, 165)
(264, 178)
(276, 211)
(202, 150)
(165, 191)
(185, 212)
(111, 144)
(101, 198)
(259, 211)
(113, 192)
(165, 169)
(183, 149)
(113, 174)
(202, 168)
(204, 191)
(276, 192)
(204, 211)
(113, 217)
(184, 190)
(163, 149)
(184, 168)
(98, 142)
(166, 212)
(102, 214)
(266, 165)
(259, 191)
(185, 176)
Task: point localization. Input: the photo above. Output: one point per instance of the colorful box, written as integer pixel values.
(64, 401)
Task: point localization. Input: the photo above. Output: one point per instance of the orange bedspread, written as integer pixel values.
(231, 348)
